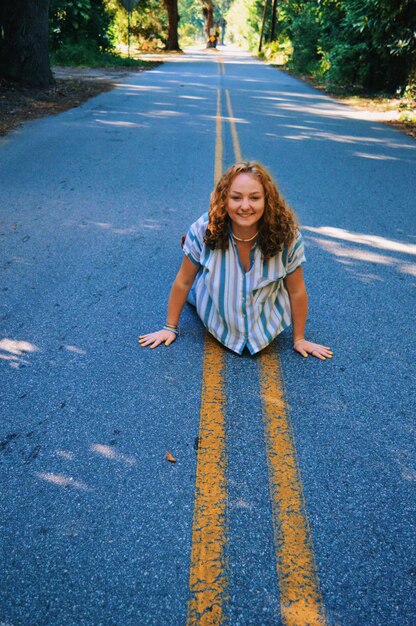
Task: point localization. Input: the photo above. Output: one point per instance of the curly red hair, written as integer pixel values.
(278, 223)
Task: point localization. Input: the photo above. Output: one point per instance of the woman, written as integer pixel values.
(242, 268)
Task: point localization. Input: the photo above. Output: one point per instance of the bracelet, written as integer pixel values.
(171, 325)
(300, 339)
(171, 330)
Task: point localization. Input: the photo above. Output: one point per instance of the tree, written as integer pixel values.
(208, 13)
(24, 54)
(173, 17)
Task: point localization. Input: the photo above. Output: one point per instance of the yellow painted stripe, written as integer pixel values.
(218, 140)
(300, 596)
(234, 135)
(208, 580)
(208, 577)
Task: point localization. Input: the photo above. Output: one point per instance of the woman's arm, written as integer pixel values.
(177, 298)
(296, 288)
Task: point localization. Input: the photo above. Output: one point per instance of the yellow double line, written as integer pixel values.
(300, 597)
(209, 567)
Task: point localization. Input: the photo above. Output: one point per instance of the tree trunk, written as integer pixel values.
(208, 12)
(173, 19)
(273, 29)
(223, 26)
(263, 22)
(24, 54)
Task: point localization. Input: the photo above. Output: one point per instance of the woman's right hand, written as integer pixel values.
(155, 339)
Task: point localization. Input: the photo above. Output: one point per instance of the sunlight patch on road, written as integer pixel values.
(162, 113)
(122, 124)
(375, 157)
(64, 454)
(359, 254)
(142, 87)
(17, 347)
(373, 241)
(193, 97)
(63, 481)
(13, 351)
(75, 349)
(109, 453)
(147, 224)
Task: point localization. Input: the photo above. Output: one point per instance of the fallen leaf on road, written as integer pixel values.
(170, 458)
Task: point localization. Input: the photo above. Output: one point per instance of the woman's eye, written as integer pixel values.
(237, 198)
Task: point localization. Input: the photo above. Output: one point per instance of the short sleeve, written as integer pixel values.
(193, 243)
(296, 254)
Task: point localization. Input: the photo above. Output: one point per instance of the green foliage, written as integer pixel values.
(410, 90)
(365, 44)
(241, 30)
(221, 7)
(191, 23)
(81, 23)
(75, 54)
(278, 52)
(346, 65)
(304, 33)
(388, 30)
(82, 30)
(148, 24)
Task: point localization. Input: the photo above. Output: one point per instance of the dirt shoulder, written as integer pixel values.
(397, 112)
(73, 86)
(393, 111)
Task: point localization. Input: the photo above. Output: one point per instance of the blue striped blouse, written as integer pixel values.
(241, 308)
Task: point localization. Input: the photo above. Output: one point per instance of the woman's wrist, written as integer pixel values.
(298, 339)
(171, 330)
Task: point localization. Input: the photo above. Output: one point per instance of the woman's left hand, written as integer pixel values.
(315, 349)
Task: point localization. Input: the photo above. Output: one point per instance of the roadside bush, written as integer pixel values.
(75, 54)
(148, 24)
(365, 44)
(304, 33)
(410, 90)
(278, 52)
(346, 65)
(84, 23)
(82, 55)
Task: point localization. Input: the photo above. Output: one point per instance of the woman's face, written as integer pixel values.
(245, 203)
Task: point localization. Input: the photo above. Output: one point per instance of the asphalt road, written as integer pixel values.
(96, 525)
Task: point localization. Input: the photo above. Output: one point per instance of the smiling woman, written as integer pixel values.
(242, 268)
